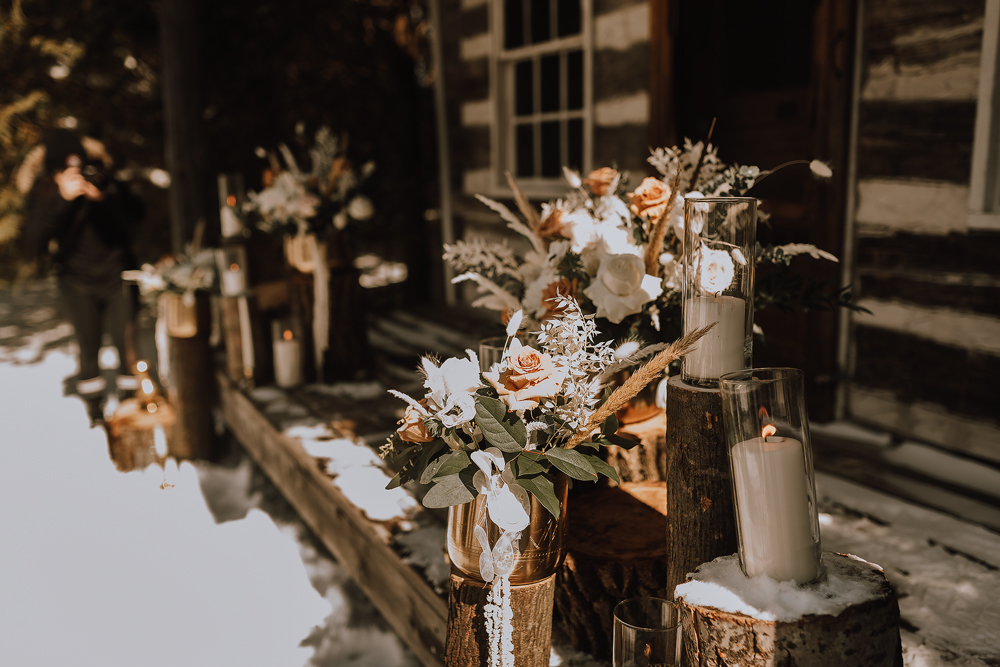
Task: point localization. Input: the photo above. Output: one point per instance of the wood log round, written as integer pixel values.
(864, 634)
(349, 351)
(467, 644)
(192, 392)
(615, 550)
(701, 522)
(132, 435)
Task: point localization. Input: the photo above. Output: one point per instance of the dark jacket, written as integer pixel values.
(93, 237)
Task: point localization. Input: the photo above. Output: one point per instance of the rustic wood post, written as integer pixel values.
(701, 522)
(615, 551)
(467, 644)
(192, 391)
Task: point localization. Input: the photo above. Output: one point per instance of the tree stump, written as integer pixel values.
(701, 521)
(854, 623)
(192, 392)
(467, 644)
(648, 461)
(615, 550)
(132, 434)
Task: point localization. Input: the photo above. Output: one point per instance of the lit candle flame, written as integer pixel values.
(287, 335)
(234, 267)
(231, 200)
(768, 431)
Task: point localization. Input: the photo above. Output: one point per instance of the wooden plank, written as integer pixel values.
(403, 597)
(975, 252)
(954, 291)
(930, 140)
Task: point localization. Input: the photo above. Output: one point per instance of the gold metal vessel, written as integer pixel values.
(540, 545)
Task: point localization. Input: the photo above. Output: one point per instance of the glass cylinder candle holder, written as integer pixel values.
(491, 349)
(232, 264)
(645, 634)
(231, 192)
(286, 339)
(719, 245)
(770, 456)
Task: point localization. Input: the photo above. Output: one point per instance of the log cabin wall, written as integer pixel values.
(924, 365)
(617, 38)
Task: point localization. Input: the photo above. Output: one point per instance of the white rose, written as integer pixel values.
(361, 208)
(622, 287)
(717, 270)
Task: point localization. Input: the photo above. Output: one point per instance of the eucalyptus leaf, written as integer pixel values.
(573, 463)
(601, 467)
(589, 445)
(448, 491)
(610, 425)
(428, 451)
(451, 463)
(525, 465)
(541, 487)
(502, 429)
(620, 441)
(397, 480)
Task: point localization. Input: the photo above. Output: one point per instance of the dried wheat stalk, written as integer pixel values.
(529, 213)
(659, 230)
(639, 379)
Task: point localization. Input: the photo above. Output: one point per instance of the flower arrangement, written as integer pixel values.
(619, 253)
(176, 274)
(324, 199)
(506, 430)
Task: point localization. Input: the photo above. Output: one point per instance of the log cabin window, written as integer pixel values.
(984, 190)
(543, 90)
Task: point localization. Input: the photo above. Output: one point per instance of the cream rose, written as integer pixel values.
(650, 199)
(530, 376)
(622, 287)
(552, 226)
(600, 180)
(412, 427)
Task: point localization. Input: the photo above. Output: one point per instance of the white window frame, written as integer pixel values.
(502, 95)
(984, 186)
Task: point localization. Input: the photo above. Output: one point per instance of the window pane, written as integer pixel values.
(513, 19)
(523, 89)
(524, 150)
(569, 17)
(574, 80)
(541, 23)
(550, 83)
(551, 167)
(575, 141)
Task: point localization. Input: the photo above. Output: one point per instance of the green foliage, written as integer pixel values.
(501, 428)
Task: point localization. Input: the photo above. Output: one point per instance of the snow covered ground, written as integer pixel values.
(107, 569)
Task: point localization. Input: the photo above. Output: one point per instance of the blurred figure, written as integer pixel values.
(85, 218)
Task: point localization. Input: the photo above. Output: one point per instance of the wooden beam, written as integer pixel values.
(402, 596)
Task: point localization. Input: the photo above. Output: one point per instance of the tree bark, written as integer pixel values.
(184, 150)
(865, 634)
(467, 644)
(615, 551)
(648, 461)
(701, 523)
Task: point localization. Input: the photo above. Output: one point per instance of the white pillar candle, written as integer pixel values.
(772, 501)
(234, 280)
(721, 349)
(231, 224)
(287, 361)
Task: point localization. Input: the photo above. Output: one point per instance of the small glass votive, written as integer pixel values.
(646, 634)
(770, 457)
(232, 264)
(719, 249)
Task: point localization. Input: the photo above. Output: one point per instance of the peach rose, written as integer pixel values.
(412, 427)
(650, 198)
(530, 376)
(600, 180)
(562, 287)
(552, 226)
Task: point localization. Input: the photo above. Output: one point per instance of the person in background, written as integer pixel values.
(85, 218)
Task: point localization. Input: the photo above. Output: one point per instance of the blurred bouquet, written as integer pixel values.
(323, 199)
(619, 253)
(176, 274)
